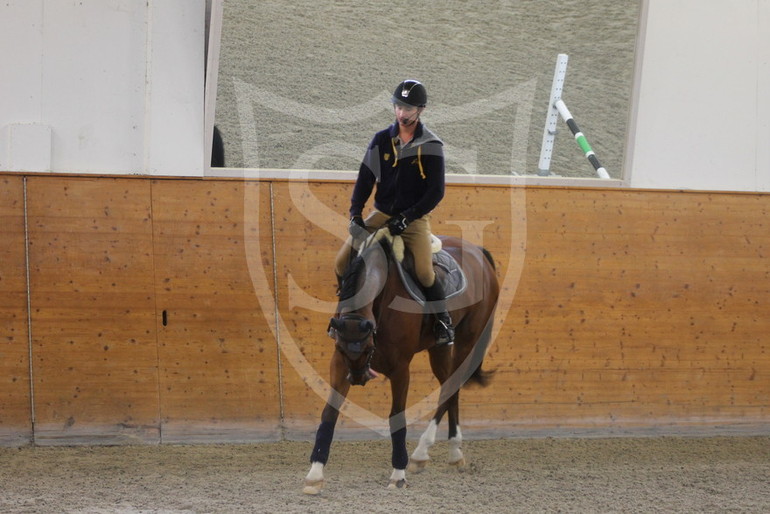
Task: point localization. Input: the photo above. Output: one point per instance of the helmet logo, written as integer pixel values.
(405, 93)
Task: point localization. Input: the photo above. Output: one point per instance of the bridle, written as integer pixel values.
(351, 333)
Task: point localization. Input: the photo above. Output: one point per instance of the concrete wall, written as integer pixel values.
(117, 87)
(102, 86)
(701, 111)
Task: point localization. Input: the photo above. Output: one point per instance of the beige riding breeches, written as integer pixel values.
(416, 239)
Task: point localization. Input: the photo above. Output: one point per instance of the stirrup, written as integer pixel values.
(445, 333)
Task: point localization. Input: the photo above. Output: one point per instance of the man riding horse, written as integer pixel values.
(406, 162)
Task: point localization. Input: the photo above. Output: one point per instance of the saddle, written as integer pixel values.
(448, 272)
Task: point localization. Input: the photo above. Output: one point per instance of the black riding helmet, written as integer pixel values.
(410, 92)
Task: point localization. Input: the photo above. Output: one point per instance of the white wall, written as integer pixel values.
(701, 108)
(102, 86)
(116, 86)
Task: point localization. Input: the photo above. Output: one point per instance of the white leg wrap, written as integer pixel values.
(455, 444)
(427, 439)
(398, 479)
(314, 481)
(316, 472)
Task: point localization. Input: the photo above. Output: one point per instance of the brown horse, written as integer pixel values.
(374, 329)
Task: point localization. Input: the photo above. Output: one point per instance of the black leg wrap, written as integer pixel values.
(323, 441)
(400, 456)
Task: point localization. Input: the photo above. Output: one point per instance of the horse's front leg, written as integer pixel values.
(399, 384)
(314, 480)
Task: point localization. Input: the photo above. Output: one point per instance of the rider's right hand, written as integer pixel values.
(357, 226)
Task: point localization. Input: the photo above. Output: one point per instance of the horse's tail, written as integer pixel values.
(480, 376)
(489, 257)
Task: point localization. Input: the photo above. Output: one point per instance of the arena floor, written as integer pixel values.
(306, 84)
(660, 474)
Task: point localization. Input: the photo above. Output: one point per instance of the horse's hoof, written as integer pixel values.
(313, 487)
(459, 464)
(398, 484)
(417, 466)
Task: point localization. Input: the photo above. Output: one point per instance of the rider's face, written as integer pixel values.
(406, 114)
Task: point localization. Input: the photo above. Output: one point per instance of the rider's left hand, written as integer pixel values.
(397, 224)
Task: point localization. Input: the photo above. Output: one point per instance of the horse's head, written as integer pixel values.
(353, 336)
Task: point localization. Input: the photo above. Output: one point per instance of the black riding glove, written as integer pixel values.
(357, 226)
(397, 224)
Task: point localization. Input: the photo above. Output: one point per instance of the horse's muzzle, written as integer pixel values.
(355, 353)
(354, 338)
(362, 377)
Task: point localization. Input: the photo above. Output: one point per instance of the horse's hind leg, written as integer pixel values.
(456, 457)
(420, 456)
(440, 362)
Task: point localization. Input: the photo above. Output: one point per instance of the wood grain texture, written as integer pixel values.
(218, 357)
(94, 343)
(15, 406)
(621, 310)
(636, 308)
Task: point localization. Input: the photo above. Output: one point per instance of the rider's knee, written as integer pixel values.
(426, 276)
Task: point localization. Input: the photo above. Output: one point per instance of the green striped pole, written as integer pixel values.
(581, 139)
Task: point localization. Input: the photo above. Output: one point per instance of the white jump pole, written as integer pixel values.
(549, 133)
(557, 108)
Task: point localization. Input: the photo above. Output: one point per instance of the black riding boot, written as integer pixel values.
(445, 332)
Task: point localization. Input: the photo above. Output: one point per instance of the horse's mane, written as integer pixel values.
(357, 266)
(349, 286)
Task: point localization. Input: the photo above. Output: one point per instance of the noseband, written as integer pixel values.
(351, 333)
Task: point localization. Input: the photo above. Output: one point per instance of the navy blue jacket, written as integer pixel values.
(410, 179)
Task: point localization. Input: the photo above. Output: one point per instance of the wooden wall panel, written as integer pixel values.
(15, 406)
(95, 359)
(218, 356)
(307, 232)
(622, 310)
(635, 309)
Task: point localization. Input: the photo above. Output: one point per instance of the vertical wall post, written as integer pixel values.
(214, 10)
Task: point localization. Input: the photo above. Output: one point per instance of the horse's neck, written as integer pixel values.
(377, 285)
